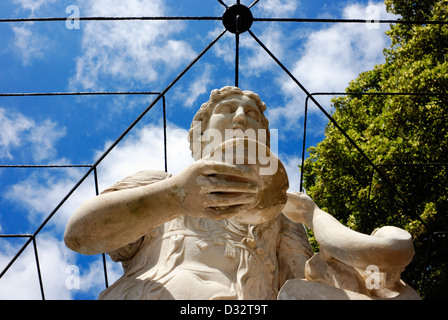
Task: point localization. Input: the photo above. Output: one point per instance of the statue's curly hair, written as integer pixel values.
(204, 113)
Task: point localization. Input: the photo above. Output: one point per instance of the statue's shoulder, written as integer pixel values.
(139, 179)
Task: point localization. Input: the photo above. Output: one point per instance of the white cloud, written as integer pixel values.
(13, 126)
(43, 138)
(257, 60)
(43, 190)
(27, 42)
(198, 86)
(291, 164)
(144, 150)
(331, 58)
(33, 5)
(92, 280)
(277, 8)
(126, 50)
(253, 59)
(19, 131)
(336, 55)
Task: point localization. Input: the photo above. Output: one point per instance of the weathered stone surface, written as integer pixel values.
(227, 228)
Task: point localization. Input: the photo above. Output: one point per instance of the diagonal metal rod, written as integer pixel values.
(39, 275)
(97, 192)
(352, 142)
(305, 122)
(253, 3)
(222, 2)
(101, 158)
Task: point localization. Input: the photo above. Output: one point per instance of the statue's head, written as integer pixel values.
(228, 109)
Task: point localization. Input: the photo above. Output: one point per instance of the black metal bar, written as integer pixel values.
(97, 192)
(313, 20)
(101, 158)
(46, 166)
(106, 281)
(165, 152)
(55, 19)
(222, 2)
(208, 18)
(39, 275)
(303, 146)
(413, 164)
(32, 94)
(237, 51)
(253, 3)
(16, 235)
(379, 93)
(95, 178)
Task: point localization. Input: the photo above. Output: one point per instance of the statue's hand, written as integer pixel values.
(300, 208)
(217, 190)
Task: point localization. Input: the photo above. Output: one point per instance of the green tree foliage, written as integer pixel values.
(406, 138)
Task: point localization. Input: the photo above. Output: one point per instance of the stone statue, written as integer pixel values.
(227, 228)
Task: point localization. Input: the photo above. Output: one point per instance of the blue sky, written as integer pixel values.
(145, 56)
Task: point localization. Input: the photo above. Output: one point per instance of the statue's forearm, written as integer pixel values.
(389, 248)
(112, 220)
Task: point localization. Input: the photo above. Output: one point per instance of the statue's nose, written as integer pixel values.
(240, 116)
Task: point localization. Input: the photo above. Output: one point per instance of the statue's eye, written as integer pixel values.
(225, 108)
(253, 114)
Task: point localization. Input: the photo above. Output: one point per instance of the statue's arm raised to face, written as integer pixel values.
(206, 188)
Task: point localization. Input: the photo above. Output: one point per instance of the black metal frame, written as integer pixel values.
(161, 95)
